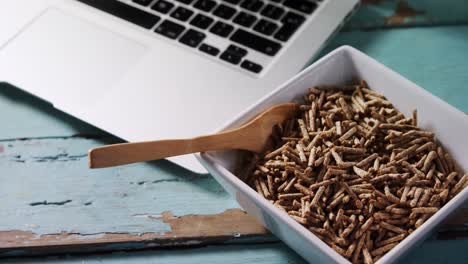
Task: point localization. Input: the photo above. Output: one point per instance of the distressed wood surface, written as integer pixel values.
(377, 14)
(267, 253)
(50, 202)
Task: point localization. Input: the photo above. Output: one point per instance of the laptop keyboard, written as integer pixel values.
(248, 26)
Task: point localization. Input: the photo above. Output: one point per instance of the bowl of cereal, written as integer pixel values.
(368, 168)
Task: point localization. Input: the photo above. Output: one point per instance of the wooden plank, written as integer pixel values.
(430, 252)
(231, 226)
(377, 14)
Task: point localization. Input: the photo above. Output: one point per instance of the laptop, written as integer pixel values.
(160, 69)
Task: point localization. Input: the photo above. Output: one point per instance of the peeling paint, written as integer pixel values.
(85, 237)
(403, 11)
(230, 223)
(103, 201)
(60, 157)
(45, 202)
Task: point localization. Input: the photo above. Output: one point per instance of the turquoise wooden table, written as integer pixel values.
(52, 204)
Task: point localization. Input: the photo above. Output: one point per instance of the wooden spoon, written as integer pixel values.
(252, 136)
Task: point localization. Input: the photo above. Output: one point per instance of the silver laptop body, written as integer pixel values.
(153, 69)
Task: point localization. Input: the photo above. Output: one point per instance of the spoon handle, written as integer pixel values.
(126, 153)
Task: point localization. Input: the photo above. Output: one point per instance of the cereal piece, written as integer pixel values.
(425, 198)
(425, 210)
(350, 250)
(367, 160)
(460, 184)
(317, 196)
(353, 196)
(302, 126)
(350, 227)
(348, 134)
(392, 228)
(390, 196)
(450, 179)
(417, 194)
(338, 128)
(349, 150)
(364, 227)
(336, 201)
(428, 162)
(421, 220)
(287, 196)
(303, 189)
(383, 249)
(386, 177)
(312, 154)
(290, 184)
(336, 156)
(358, 249)
(415, 117)
(367, 256)
(300, 220)
(360, 172)
(391, 240)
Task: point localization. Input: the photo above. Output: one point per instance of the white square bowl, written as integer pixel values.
(339, 67)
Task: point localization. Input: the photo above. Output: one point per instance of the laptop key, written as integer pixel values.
(234, 2)
(221, 29)
(170, 29)
(209, 49)
(187, 2)
(273, 12)
(291, 23)
(285, 32)
(252, 5)
(292, 18)
(245, 19)
(256, 42)
(251, 66)
(162, 6)
(143, 2)
(301, 5)
(125, 12)
(205, 5)
(265, 27)
(192, 38)
(224, 11)
(230, 57)
(237, 50)
(182, 14)
(201, 21)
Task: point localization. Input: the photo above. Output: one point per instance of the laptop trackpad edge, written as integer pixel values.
(67, 60)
